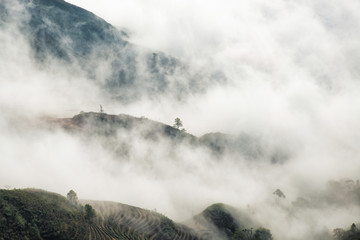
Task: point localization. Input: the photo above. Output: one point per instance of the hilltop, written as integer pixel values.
(108, 124)
(219, 145)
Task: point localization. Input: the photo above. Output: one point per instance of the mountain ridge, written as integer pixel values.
(219, 144)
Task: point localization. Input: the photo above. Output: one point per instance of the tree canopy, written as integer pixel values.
(178, 124)
(72, 197)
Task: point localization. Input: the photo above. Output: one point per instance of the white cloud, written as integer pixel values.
(292, 69)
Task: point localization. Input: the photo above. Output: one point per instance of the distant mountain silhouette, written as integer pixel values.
(86, 45)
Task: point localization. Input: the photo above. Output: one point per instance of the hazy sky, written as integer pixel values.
(293, 80)
(291, 60)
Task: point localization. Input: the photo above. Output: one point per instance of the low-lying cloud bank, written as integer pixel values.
(292, 82)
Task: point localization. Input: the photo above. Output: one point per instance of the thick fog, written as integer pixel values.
(291, 81)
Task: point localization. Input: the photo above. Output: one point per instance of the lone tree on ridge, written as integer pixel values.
(72, 197)
(178, 124)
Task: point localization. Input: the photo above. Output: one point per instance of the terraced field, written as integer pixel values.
(37, 214)
(123, 222)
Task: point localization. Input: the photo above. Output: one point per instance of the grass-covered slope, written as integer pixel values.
(35, 214)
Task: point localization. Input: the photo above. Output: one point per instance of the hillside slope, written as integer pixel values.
(128, 222)
(77, 41)
(92, 123)
(37, 214)
(107, 128)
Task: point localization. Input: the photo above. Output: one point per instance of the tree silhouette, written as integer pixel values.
(353, 228)
(89, 212)
(178, 124)
(279, 193)
(72, 197)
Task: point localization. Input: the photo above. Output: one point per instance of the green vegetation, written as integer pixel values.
(167, 229)
(227, 221)
(222, 219)
(36, 214)
(89, 213)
